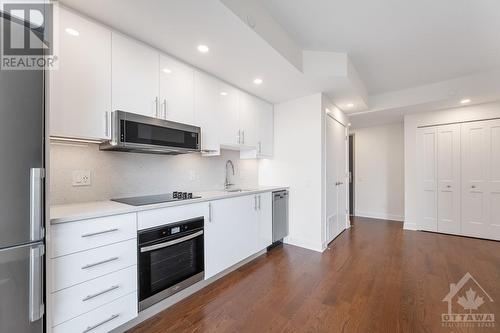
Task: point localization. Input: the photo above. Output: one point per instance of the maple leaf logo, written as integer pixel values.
(471, 301)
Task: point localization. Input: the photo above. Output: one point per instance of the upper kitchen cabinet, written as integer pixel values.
(176, 91)
(230, 133)
(135, 77)
(206, 106)
(247, 107)
(265, 128)
(80, 90)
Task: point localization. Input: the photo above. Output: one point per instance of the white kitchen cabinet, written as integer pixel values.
(206, 111)
(247, 107)
(229, 127)
(264, 220)
(176, 91)
(80, 90)
(265, 128)
(135, 77)
(231, 233)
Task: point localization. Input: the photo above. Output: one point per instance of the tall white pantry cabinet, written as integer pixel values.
(459, 179)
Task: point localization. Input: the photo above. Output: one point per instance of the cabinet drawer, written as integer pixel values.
(103, 319)
(88, 234)
(154, 218)
(83, 266)
(72, 302)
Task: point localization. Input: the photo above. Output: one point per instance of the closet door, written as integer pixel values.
(427, 178)
(481, 179)
(448, 172)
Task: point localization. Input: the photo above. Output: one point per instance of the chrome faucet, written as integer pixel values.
(227, 184)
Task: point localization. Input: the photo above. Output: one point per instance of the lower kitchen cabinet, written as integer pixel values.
(236, 229)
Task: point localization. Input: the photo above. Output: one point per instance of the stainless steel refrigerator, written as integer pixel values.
(21, 201)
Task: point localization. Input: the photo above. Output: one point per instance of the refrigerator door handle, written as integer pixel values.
(36, 305)
(36, 202)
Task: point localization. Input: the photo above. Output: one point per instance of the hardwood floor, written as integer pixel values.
(375, 277)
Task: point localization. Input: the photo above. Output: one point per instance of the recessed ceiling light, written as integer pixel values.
(223, 93)
(167, 70)
(72, 32)
(203, 48)
(349, 105)
(349, 125)
(465, 101)
(258, 81)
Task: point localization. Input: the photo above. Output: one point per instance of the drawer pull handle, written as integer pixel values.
(89, 297)
(100, 263)
(93, 327)
(99, 233)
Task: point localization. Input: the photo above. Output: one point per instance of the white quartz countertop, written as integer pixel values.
(88, 210)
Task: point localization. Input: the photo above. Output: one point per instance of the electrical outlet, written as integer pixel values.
(81, 178)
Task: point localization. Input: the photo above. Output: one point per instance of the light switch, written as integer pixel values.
(81, 178)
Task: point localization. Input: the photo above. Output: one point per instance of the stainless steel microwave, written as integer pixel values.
(135, 133)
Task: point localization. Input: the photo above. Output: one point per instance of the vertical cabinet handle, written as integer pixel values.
(107, 124)
(209, 212)
(36, 199)
(239, 136)
(259, 201)
(255, 202)
(36, 306)
(243, 135)
(260, 147)
(156, 107)
(165, 111)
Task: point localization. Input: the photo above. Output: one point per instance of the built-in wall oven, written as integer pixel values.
(171, 258)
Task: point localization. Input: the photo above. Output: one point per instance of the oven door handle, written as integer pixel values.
(170, 243)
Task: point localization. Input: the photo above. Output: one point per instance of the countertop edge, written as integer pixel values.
(127, 209)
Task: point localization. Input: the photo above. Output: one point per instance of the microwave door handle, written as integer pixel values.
(170, 243)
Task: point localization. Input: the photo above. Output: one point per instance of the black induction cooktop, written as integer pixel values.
(158, 198)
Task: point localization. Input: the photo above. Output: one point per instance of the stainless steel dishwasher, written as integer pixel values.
(280, 215)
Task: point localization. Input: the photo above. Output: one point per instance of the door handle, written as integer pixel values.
(36, 306)
(36, 203)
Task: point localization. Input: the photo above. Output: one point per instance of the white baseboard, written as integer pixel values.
(410, 226)
(381, 216)
(306, 244)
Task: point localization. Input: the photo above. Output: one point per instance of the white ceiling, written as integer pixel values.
(388, 57)
(397, 44)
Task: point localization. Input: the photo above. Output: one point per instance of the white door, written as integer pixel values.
(481, 179)
(448, 173)
(206, 114)
(265, 129)
(427, 178)
(335, 161)
(135, 77)
(80, 90)
(176, 91)
(342, 177)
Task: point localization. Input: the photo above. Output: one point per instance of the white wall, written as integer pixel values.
(470, 113)
(118, 174)
(297, 162)
(379, 172)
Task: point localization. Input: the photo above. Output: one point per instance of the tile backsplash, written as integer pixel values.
(118, 174)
